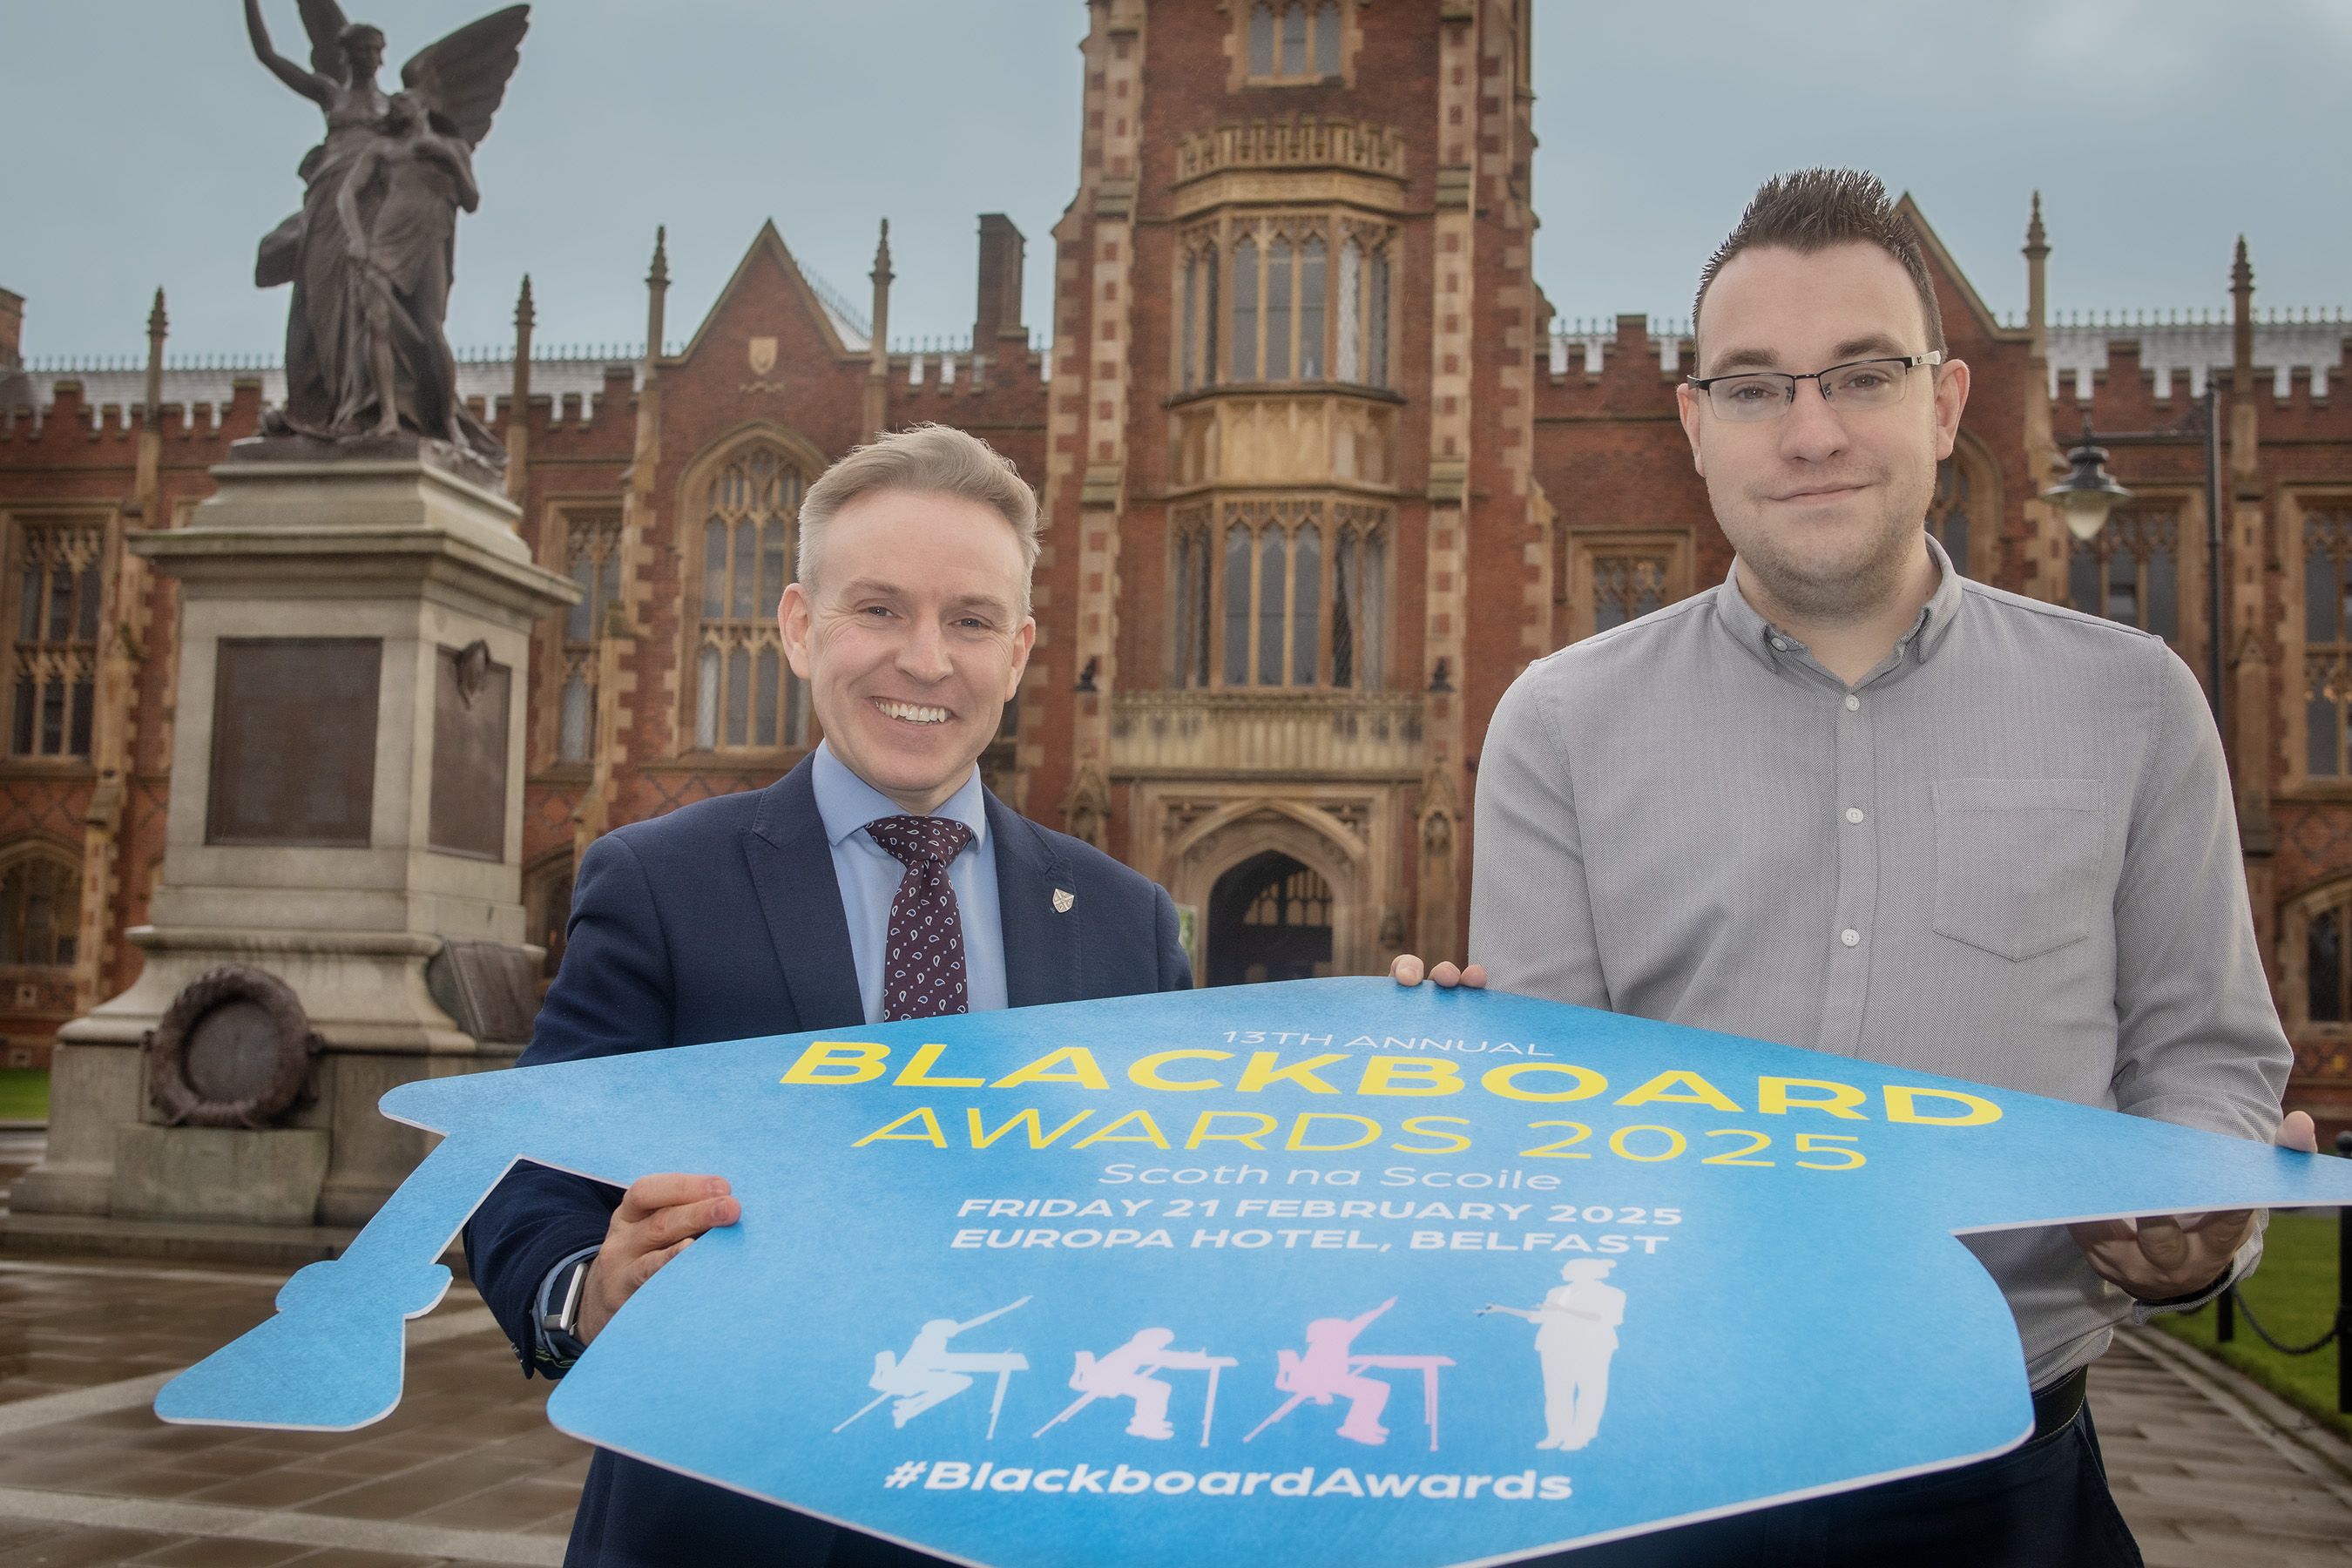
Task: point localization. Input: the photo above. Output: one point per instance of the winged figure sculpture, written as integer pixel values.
(371, 253)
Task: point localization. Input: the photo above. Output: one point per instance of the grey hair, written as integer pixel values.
(931, 459)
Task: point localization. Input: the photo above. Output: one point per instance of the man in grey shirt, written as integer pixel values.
(1852, 800)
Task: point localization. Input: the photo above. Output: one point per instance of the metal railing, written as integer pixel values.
(2230, 1304)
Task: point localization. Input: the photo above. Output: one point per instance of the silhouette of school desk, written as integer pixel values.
(1775, 1231)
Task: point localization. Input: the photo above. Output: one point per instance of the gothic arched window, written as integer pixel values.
(40, 909)
(746, 696)
(1293, 42)
(1290, 592)
(2130, 572)
(591, 551)
(53, 696)
(1246, 290)
(547, 909)
(2326, 641)
(1297, 310)
(1948, 514)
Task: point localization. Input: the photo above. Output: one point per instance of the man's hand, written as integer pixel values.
(658, 1217)
(2165, 1257)
(1406, 970)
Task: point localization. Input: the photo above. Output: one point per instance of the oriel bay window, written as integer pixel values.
(1288, 592)
(1307, 300)
(746, 696)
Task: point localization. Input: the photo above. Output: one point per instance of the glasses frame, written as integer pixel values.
(1908, 363)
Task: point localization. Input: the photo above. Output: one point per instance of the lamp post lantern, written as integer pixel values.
(2088, 493)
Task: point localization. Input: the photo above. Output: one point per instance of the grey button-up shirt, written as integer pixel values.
(2008, 853)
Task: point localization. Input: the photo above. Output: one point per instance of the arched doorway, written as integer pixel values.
(1269, 919)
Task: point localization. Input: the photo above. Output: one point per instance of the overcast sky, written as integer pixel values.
(148, 146)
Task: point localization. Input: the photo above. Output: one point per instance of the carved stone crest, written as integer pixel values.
(763, 355)
(473, 671)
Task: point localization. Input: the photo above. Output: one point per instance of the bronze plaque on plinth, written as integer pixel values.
(294, 742)
(469, 753)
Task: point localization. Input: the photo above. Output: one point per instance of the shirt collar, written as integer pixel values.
(845, 802)
(1758, 635)
(1943, 608)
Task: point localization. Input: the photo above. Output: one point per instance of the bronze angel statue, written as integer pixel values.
(369, 255)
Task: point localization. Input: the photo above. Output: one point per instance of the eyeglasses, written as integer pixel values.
(1758, 394)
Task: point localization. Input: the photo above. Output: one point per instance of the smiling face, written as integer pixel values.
(1824, 506)
(911, 637)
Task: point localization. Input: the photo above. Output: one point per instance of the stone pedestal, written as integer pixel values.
(347, 775)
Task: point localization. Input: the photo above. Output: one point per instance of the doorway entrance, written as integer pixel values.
(1269, 919)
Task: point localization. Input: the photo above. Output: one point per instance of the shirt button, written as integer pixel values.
(1853, 814)
(1851, 937)
(1854, 704)
(1782, 644)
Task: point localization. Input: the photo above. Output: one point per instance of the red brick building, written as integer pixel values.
(1321, 476)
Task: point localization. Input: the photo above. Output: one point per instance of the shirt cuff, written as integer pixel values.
(2249, 1252)
(545, 1358)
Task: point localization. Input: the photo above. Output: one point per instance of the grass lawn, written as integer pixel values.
(24, 1094)
(2295, 1292)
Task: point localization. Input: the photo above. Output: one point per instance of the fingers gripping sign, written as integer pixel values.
(658, 1216)
(1408, 970)
(2161, 1258)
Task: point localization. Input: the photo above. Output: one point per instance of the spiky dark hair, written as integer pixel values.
(1813, 209)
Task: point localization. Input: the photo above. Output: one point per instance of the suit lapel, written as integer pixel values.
(1041, 942)
(791, 867)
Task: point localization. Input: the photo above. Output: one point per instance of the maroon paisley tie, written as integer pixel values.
(922, 962)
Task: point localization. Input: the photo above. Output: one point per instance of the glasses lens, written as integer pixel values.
(1872, 384)
(1758, 396)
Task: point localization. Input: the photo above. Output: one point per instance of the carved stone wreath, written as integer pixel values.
(273, 1090)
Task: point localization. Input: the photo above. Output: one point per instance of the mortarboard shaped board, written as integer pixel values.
(1137, 1280)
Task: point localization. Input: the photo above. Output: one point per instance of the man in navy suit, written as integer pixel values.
(876, 880)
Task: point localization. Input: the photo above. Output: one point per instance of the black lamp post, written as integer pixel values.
(2088, 494)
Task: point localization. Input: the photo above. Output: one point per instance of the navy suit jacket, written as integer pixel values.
(722, 921)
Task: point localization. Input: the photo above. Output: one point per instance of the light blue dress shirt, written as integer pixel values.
(868, 876)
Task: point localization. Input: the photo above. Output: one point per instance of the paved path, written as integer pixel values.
(2213, 1471)
(468, 1471)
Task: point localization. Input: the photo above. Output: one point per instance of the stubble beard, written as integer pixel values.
(1850, 588)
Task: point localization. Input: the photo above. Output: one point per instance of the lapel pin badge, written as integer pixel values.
(1063, 900)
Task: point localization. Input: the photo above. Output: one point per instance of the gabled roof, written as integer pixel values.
(844, 334)
(1940, 259)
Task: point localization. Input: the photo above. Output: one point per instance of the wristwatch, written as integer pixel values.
(559, 1319)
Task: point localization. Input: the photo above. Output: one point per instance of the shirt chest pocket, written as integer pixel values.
(2016, 863)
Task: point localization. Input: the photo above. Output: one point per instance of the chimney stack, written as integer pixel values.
(12, 331)
(1001, 249)
(15, 387)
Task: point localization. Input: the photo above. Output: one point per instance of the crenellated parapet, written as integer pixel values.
(2290, 348)
(1587, 348)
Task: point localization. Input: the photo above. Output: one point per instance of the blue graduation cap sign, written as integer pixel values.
(1349, 1272)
